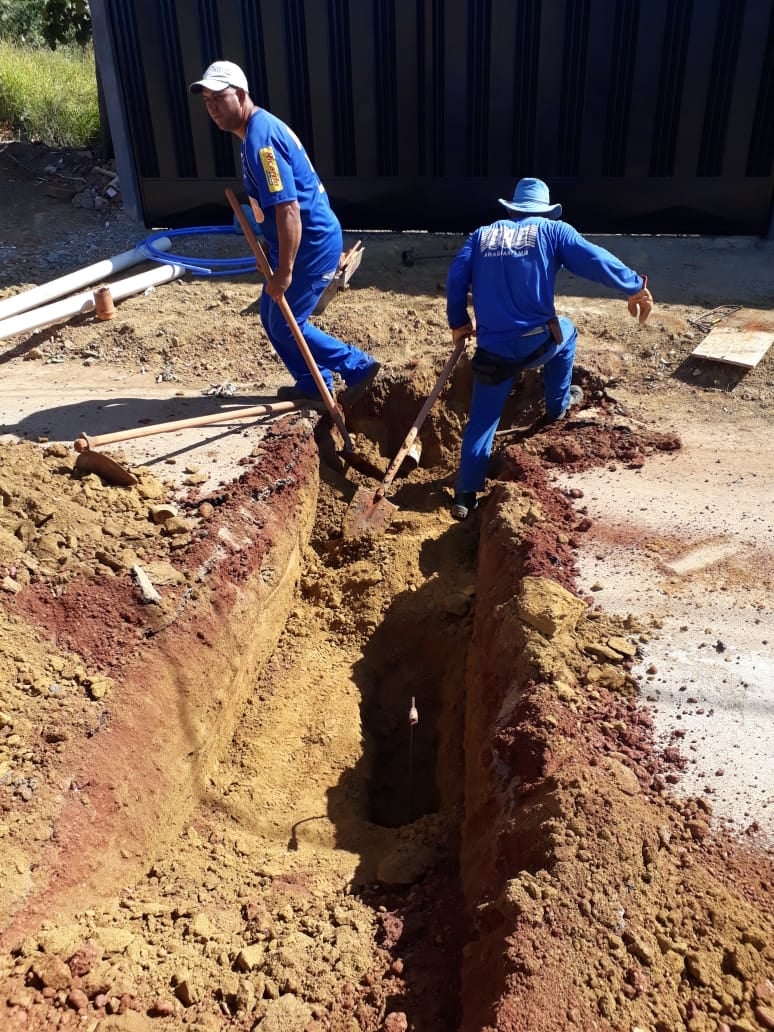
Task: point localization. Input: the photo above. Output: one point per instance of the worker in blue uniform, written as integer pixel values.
(511, 266)
(300, 228)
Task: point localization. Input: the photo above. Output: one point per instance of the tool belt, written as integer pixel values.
(494, 369)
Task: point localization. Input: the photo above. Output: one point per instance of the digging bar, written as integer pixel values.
(371, 510)
(90, 461)
(263, 264)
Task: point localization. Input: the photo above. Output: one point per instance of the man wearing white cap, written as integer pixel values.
(511, 267)
(303, 234)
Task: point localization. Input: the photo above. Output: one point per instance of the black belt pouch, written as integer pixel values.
(492, 369)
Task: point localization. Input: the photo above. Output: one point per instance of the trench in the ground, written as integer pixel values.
(413, 710)
(327, 768)
(328, 759)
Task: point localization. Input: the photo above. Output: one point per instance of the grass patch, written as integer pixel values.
(49, 95)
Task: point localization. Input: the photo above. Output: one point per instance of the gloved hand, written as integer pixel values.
(641, 303)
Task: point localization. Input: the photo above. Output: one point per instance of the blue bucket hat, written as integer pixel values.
(531, 197)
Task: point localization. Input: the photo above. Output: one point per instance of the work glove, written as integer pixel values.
(641, 303)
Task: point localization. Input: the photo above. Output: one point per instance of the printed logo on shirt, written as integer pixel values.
(270, 169)
(497, 241)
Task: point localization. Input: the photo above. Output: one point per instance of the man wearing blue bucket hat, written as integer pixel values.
(511, 268)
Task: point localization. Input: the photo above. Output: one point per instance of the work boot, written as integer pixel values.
(576, 398)
(296, 393)
(354, 392)
(464, 504)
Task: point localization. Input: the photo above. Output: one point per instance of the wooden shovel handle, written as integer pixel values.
(290, 319)
(411, 436)
(84, 442)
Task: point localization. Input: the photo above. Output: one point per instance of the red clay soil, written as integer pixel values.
(597, 901)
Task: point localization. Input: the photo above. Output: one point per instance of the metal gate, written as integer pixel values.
(644, 116)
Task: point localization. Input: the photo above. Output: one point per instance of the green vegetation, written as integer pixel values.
(51, 21)
(48, 82)
(49, 95)
(22, 20)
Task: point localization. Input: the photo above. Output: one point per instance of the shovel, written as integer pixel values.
(90, 461)
(263, 264)
(371, 510)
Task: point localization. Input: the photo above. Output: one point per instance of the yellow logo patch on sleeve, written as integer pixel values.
(270, 169)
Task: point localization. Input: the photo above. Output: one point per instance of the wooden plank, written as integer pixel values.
(743, 340)
(348, 265)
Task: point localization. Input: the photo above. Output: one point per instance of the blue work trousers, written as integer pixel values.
(488, 402)
(331, 355)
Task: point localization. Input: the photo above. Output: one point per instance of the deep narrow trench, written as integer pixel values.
(412, 715)
(409, 593)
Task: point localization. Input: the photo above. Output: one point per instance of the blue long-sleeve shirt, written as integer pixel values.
(511, 267)
(276, 168)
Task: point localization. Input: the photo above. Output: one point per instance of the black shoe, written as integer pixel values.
(295, 393)
(353, 394)
(576, 398)
(464, 504)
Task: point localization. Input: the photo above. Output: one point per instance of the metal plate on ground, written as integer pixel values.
(743, 339)
(367, 513)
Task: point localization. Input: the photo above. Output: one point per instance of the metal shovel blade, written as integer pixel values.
(368, 512)
(111, 472)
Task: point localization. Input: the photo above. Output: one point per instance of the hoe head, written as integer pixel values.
(112, 472)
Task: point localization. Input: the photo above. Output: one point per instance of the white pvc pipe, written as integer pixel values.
(36, 296)
(59, 311)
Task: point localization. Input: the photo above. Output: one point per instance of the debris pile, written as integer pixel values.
(78, 176)
(89, 183)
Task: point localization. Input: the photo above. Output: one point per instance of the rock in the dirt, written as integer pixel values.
(162, 513)
(147, 591)
(287, 1014)
(164, 573)
(77, 1000)
(603, 652)
(113, 940)
(250, 957)
(51, 972)
(626, 648)
(129, 1021)
(84, 959)
(548, 607)
(624, 777)
(361, 575)
(395, 1022)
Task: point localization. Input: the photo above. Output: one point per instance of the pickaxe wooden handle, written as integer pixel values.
(84, 442)
(397, 462)
(263, 264)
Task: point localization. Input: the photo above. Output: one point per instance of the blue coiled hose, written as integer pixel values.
(198, 266)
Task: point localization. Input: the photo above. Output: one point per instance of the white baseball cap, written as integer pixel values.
(219, 76)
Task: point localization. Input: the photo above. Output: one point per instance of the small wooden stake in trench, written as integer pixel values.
(413, 719)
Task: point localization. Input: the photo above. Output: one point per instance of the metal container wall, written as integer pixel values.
(644, 116)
